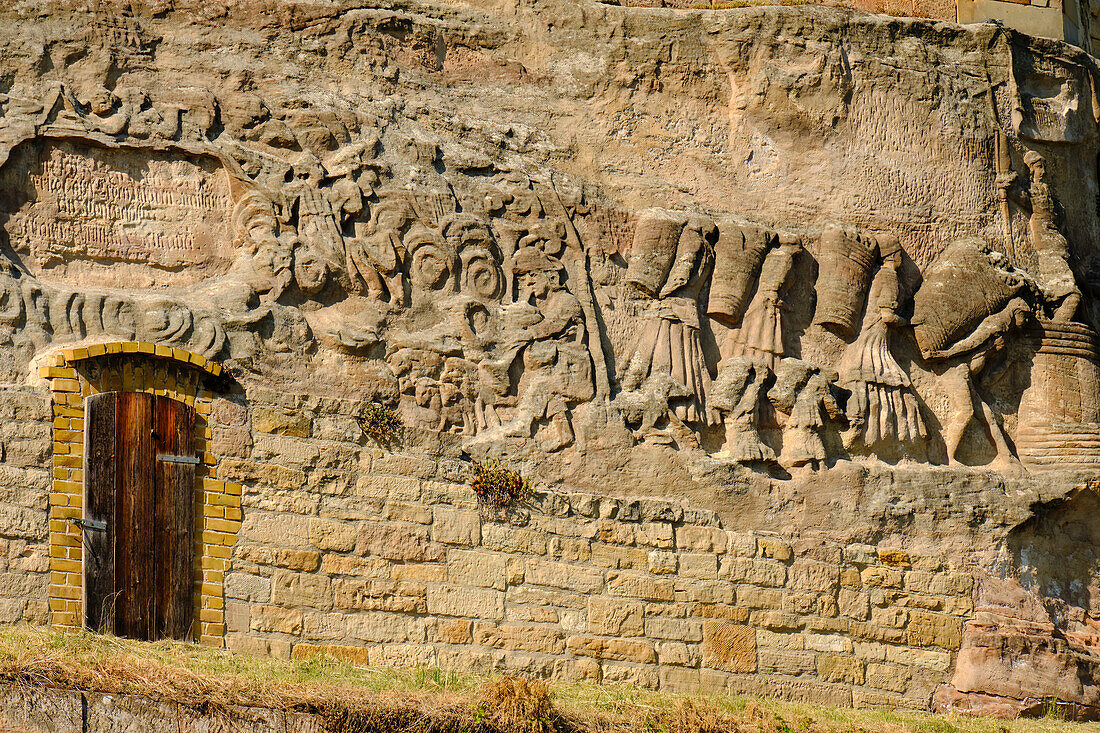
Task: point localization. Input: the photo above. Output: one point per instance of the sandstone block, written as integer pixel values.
(402, 655)
(707, 539)
(569, 549)
(280, 422)
(615, 617)
(301, 589)
(677, 653)
(814, 576)
(655, 534)
(618, 556)
(247, 587)
(615, 532)
(640, 585)
(276, 619)
(881, 577)
(934, 629)
(399, 511)
(455, 526)
(927, 658)
(450, 630)
(476, 567)
(774, 549)
(379, 595)
(840, 668)
(645, 678)
(520, 637)
(505, 538)
(773, 640)
(381, 628)
(751, 596)
(661, 562)
(577, 669)
(394, 488)
(371, 567)
(776, 621)
(728, 646)
(329, 534)
(890, 677)
(895, 558)
(563, 576)
(449, 600)
(783, 661)
(895, 618)
(854, 604)
(721, 611)
(401, 542)
(675, 629)
(618, 649)
(320, 626)
(767, 573)
(702, 565)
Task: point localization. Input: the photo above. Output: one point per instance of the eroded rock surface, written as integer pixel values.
(820, 272)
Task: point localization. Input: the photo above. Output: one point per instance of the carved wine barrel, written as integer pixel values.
(1060, 410)
(959, 291)
(654, 248)
(846, 264)
(738, 255)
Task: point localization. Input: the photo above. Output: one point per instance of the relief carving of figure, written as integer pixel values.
(375, 260)
(981, 357)
(670, 342)
(882, 406)
(1052, 251)
(760, 336)
(546, 330)
(737, 398)
(804, 393)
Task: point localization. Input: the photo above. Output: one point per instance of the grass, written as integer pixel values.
(350, 698)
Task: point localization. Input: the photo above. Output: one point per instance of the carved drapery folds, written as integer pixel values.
(511, 308)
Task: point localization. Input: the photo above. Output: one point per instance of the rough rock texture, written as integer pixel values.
(818, 272)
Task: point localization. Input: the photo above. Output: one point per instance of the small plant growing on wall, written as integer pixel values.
(381, 423)
(497, 486)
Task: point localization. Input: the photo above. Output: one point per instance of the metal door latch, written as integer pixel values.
(94, 525)
(177, 459)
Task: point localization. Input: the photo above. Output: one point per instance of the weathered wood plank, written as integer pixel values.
(135, 545)
(100, 451)
(175, 517)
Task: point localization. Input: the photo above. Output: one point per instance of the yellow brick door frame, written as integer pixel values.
(131, 366)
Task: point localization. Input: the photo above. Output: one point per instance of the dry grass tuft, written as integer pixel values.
(518, 705)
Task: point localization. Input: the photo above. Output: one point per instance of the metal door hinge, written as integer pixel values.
(177, 459)
(92, 524)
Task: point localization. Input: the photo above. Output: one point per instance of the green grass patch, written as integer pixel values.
(353, 698)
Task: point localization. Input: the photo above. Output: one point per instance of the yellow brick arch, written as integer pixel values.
(136, 366)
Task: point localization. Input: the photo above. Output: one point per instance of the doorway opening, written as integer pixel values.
(138, 515)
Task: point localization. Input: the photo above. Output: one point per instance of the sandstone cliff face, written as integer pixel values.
(820, 272)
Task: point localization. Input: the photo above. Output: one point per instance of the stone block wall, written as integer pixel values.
(384, 558)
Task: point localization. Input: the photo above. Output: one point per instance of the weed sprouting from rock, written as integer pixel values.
(497, 486)
(381, 423)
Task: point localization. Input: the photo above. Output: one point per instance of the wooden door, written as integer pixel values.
(139, 482)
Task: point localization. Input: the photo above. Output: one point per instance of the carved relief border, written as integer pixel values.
(74, 374)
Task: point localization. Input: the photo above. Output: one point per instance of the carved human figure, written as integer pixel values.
(317, 221)
(546, 328)
(271, 260)
(804, 393)
(670, 341)
(981, 356)
(882, 406)
(648, 411)
(1052, 252)
(760, 336)
(376, 259)
(737, 398)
